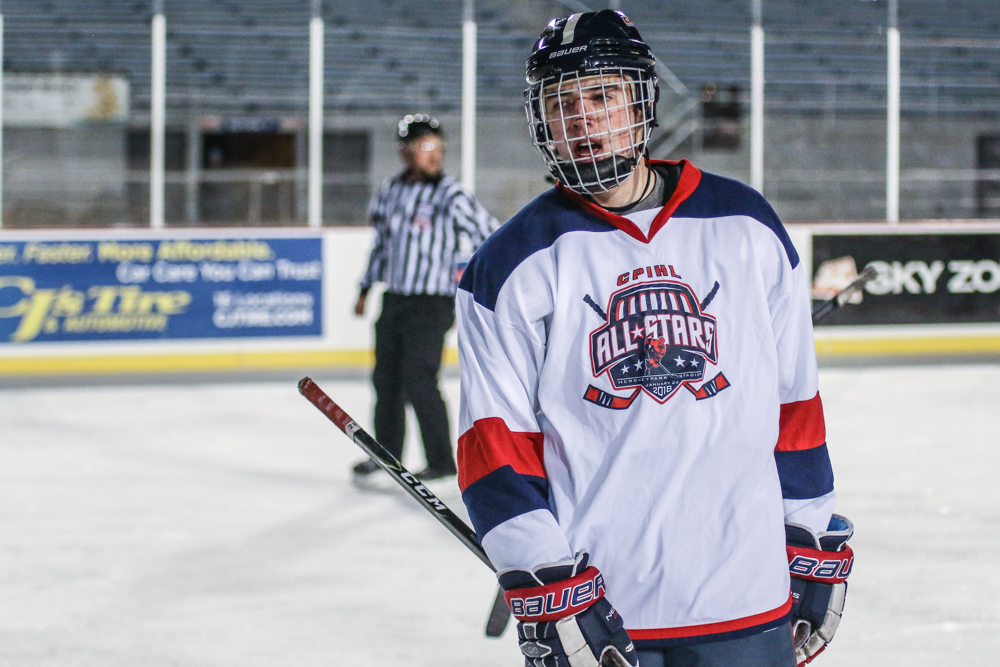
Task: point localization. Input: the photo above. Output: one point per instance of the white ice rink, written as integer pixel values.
(215, 525)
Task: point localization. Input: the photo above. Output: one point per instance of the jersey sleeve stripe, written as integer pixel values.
(806, 473)
(801, 425)
(490, 445)
(503, 495)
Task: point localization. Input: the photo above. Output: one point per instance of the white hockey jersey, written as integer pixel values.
(648, 397)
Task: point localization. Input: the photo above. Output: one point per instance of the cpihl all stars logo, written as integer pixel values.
(656, 338)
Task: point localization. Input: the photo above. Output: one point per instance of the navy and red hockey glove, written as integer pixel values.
(564, 619)
(819, 564)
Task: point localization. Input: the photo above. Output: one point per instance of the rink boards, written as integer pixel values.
(937, 292)
(138, 301)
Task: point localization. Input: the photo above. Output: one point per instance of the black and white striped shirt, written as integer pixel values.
(424, 231)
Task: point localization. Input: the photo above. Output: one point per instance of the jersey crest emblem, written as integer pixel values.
(655, 339)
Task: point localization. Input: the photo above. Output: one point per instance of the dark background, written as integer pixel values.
(905, 308)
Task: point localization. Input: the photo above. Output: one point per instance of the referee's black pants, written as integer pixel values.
(409, 341)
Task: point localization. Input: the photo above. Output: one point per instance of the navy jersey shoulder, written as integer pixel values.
(536, 227)
(717, 196)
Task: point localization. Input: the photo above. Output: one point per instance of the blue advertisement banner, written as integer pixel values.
(164, 289)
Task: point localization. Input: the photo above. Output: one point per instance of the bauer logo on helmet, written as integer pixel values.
(566, 52)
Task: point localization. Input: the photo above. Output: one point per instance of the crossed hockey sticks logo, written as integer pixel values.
(719, 382)
(648, 322)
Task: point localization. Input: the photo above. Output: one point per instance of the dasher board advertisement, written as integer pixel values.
(937, 278)
(63, 100)
(164, 289)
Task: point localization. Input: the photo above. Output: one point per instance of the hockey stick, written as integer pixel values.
(500, 613)
(844, 295)
(388, 463)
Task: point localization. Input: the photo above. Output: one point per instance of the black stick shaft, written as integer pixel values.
(388, 462)
(844, 295)
(499, 616)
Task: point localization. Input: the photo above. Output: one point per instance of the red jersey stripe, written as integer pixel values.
(490, 445)
(713, 628)
(688, 183)
(690, 178)
(801, 425)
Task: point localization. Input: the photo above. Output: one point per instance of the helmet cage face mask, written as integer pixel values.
(591, 126)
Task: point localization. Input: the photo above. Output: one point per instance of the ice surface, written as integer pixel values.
(203, 525)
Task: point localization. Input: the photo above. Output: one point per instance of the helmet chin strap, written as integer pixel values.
(601, 176)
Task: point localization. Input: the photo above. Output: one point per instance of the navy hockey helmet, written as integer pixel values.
(591, 99)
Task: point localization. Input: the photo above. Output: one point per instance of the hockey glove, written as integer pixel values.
(564, 619)
(819, 565)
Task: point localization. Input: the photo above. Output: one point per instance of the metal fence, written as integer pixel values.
(78, 93)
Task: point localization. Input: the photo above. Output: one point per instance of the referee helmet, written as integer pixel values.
(414, 126)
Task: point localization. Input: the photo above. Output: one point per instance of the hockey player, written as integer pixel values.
(640, 414)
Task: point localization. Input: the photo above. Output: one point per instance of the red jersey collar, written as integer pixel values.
(688, 183)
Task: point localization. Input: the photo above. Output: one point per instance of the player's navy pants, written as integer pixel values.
(409, 340)
(772, 648)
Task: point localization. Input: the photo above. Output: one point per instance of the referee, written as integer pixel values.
(426, 226)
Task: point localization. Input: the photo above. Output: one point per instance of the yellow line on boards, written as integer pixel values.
(326, 359)
(908, 346)
(193, 362)
(167, 363)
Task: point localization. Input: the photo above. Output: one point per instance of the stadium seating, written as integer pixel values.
(251, 56)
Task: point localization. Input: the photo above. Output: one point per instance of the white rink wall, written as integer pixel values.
(345, 341)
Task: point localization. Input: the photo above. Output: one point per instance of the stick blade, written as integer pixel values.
(499, 616)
